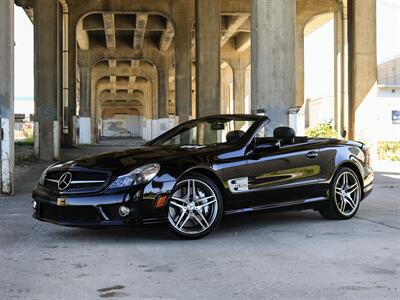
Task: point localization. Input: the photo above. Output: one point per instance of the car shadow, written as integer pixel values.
(230, 226)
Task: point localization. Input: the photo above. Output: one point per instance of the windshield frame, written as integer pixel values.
(258, 120)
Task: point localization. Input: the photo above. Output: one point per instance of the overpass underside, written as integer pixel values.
(136, 68)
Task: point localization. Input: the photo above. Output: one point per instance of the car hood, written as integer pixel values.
(126, 160)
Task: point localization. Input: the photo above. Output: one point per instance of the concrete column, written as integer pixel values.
(338, 66)
(163, 87)
(299, 64)
(46, 77)
(208, 57)
(70, 137)
(239, 92)
(85, 108)
(183, 70)
(273, 69)
(7, 95)
(362, 67)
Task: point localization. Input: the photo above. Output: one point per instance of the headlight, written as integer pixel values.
(138, 176)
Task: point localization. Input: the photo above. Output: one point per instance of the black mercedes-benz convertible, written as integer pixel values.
(195, 173)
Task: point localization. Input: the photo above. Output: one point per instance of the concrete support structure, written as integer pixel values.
(208, 57)
(47, 75)
(273, 58)
(85, 107)
(183, 68)
(7, 95)
(339, 68)
(362, 66)
(299, 64)
(163, 87)
(239, 92)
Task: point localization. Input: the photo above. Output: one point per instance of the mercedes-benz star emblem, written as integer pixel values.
(64, 181)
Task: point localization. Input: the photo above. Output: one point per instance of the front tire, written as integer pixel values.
(344, 196)
(195, 207)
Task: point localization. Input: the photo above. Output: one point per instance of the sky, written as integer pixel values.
(318, 50)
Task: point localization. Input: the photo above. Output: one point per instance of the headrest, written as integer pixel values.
(234, 136)
(286, 134)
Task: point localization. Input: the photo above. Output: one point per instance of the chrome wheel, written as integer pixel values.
(193, 207)
(347, 193)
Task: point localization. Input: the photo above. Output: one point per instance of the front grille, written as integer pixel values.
(79, 214)
(81, 181)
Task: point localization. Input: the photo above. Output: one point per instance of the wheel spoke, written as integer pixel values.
(338, 190)
(177, 205)
(200, 223)
(184, 222)
(206, 204)
(188, 191)
(204, 198)
(180, 218)
(351, 202)
(194, 190)
(179, 199)
(352, 188)
(343, 204)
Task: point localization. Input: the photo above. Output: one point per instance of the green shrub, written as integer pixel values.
(322, 130)
(389, 150)
(28, 141)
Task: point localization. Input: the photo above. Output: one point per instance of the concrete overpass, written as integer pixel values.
(160, 62)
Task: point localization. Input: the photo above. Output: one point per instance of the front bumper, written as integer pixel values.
(102, 209)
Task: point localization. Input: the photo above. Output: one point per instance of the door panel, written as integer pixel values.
(288, 174)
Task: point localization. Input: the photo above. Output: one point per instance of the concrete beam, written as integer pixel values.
(7, 95)
(141, 21)
(82, 36)
(233, 25)
(109, 28)
(242, 41)
(166, 37)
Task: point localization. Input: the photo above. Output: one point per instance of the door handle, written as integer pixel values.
(312, 154)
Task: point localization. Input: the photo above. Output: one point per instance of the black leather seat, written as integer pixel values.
(286, 135)
(234, 136)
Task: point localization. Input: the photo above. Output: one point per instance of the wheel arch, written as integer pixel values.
(353, 166)
(209, 173)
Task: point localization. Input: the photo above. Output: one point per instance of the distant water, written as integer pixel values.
(23, 105)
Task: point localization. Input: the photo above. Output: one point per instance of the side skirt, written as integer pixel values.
(276, 205)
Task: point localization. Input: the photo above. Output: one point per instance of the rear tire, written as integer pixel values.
(195, 207)
(344, 196)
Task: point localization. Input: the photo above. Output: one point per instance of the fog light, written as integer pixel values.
(34, 204)
(124, 211)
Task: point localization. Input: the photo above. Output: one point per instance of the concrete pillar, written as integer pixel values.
(7, 95)
(239, 92)
(85, 108)
(362, 67)
(338, 66)
(299, 64)
(46, 77)
(163, 87)
(183, 70)
(208, 57)
(273, 59)
(70, 137)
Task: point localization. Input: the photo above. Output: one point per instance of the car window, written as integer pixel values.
(205, 133)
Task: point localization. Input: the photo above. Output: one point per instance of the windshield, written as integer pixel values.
(205, 132)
